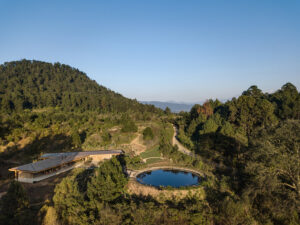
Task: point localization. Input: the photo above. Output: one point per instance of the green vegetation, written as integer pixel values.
(151, 153)
(134, 163)
(148, 134)
(14, 206)
(248, 148)
(153, 160)
(33, 84)
(251, 144)
(52, 131)
(84, 197)
(129, 126)
(274, 171)
(100, 199)
(178, 158)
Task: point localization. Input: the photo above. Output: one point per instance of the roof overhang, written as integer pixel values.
(58, 159)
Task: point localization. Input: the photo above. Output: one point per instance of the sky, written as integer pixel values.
(164, 50)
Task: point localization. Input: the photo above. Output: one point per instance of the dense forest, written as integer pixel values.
(248, 148)
(253, 144)
(33, 84)
(239, 118)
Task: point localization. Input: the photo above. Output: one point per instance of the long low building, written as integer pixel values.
(52, 164)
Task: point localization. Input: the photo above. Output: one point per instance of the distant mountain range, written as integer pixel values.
(175, 107)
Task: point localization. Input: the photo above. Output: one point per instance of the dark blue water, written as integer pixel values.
(164, 178)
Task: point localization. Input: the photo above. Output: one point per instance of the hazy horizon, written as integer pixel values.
(166, 51)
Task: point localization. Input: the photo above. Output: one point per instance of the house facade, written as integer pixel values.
(52, 164)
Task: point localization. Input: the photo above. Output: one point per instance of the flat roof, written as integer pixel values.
(78, 154)
(52, 160)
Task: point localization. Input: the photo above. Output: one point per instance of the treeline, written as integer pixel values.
(240, 117)
(30, 84)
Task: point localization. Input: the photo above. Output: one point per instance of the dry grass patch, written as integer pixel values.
(134, 187)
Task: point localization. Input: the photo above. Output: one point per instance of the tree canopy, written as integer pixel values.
(30, 84)
(14, 205)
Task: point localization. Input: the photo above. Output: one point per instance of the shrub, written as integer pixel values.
(51, 217)
(106, 137)
(148, 134)
(129, 126)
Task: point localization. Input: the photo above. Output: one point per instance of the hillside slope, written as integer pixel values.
(30, 84)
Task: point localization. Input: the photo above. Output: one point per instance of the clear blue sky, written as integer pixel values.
(161, 50)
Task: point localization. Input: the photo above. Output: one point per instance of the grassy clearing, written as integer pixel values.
(153, 160)
(151, 153)
(123, 138)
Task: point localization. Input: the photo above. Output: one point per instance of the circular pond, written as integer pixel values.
(167, 177)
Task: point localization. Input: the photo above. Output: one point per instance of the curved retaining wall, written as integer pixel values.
(134, 174)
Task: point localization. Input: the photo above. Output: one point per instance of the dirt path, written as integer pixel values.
(181, 148)
(145, 159)
(137, 145)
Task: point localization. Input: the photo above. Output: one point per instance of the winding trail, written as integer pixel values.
(145, 159)
(181, 148)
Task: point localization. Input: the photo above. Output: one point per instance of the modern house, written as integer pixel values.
(52, 164)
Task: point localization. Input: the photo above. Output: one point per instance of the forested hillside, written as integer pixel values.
(33, 84)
